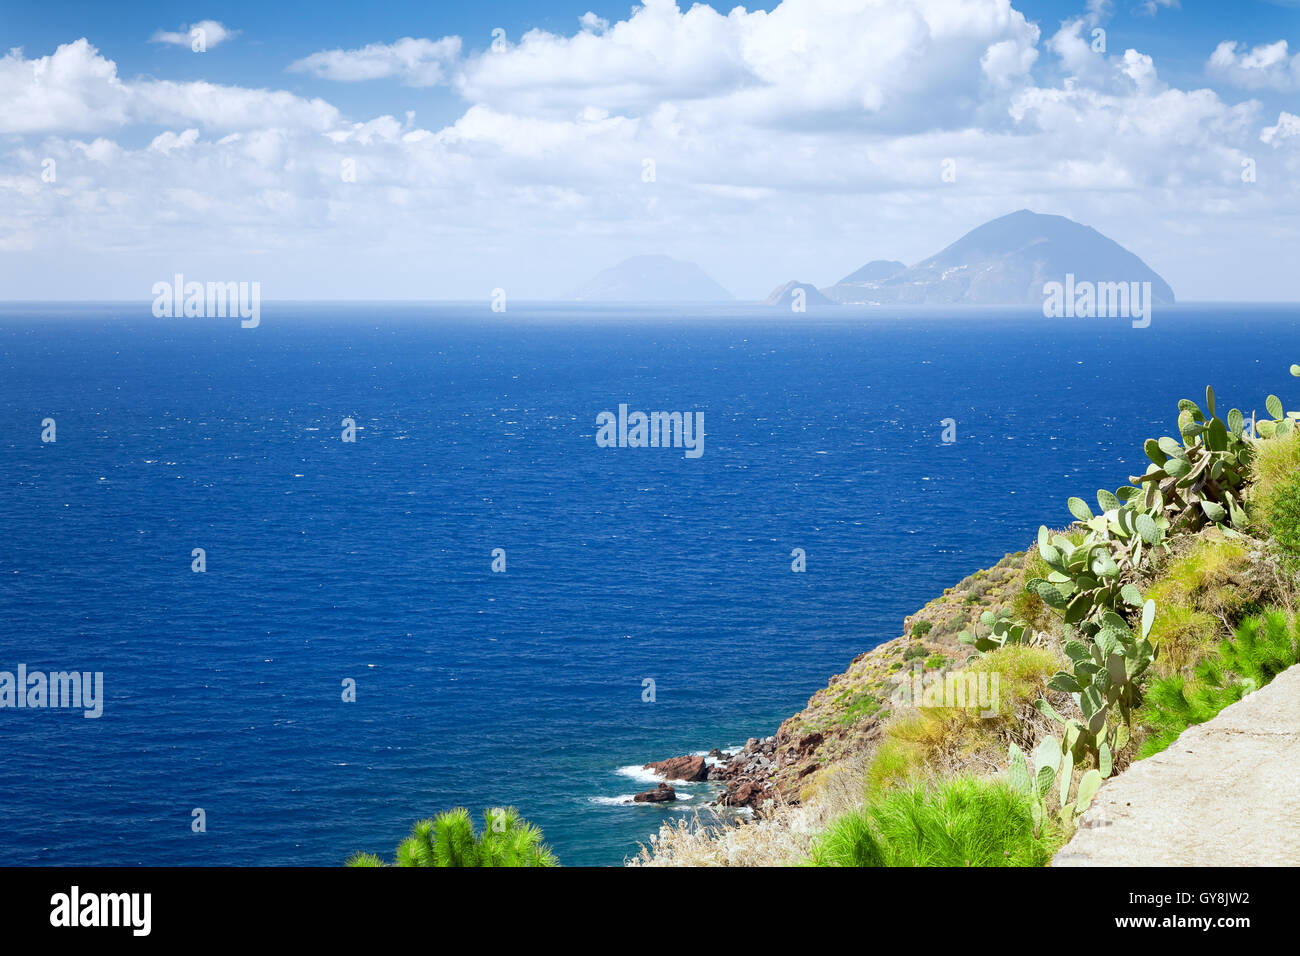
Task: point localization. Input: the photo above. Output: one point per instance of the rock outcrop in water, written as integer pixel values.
(688, 768)
(661, 794)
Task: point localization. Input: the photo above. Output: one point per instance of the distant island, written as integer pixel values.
(1003, 262)
(1006, 261)
(653, 278)
(798, 296)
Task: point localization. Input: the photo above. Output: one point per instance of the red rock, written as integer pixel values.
(662, 794)
(806, 745)
(725, 771)
(745, 794)
(681, 768)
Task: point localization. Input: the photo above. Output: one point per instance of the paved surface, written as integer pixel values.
(1226, 793)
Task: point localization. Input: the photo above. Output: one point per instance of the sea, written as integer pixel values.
(349, 661)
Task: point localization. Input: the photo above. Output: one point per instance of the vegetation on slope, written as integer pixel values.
(1275, 497)
(1171, 600)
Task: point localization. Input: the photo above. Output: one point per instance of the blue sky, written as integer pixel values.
(796, 143)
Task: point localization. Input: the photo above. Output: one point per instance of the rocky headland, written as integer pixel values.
(846, 718)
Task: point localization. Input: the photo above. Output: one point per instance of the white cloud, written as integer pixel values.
(1098, 12)
(75, 89)
(211, 32)
(1267, 66)
(1151, 7)
(1007, 61)
(415, 62)
(71, 89)
(795, 143)
(168, 141)
(1288, 127)
(891, 64)
(1141, 69)
(228, 107)
(1075, 51)
(593, 23)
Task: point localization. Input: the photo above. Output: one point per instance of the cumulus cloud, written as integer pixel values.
(818, 129)
(1287, 127)
(595, 24)
(75, 89)
(1269, 66)
(72, 89)
(892, 63)
(210, 32)
(167, 141)
(416, 62)
(1081, 56)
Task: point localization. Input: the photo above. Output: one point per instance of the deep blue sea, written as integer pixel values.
(371, 561)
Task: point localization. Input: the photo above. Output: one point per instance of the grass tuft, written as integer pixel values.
(960, 821)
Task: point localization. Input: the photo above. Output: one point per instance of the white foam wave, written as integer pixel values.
(620, 800)
(628, 799)
(639, 774)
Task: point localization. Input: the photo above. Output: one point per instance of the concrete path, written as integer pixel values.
(1226, 793)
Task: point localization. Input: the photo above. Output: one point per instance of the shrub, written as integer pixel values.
(923, 741)
(1199, 593)
(1276, 462)
(1275, 492)
(921, 628)
(1260, 649)
(961, 821)
(1024, 673)
(1282, 515)
(1173, 704)
(449, 840)
(857, 705)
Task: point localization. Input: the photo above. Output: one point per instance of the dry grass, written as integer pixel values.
(782, 836)
(1201, 591)
(951, 740)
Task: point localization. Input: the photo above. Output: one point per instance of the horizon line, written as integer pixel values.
(654, 303)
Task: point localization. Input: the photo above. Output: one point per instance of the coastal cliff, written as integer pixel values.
(845, 719)
(982, 734)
